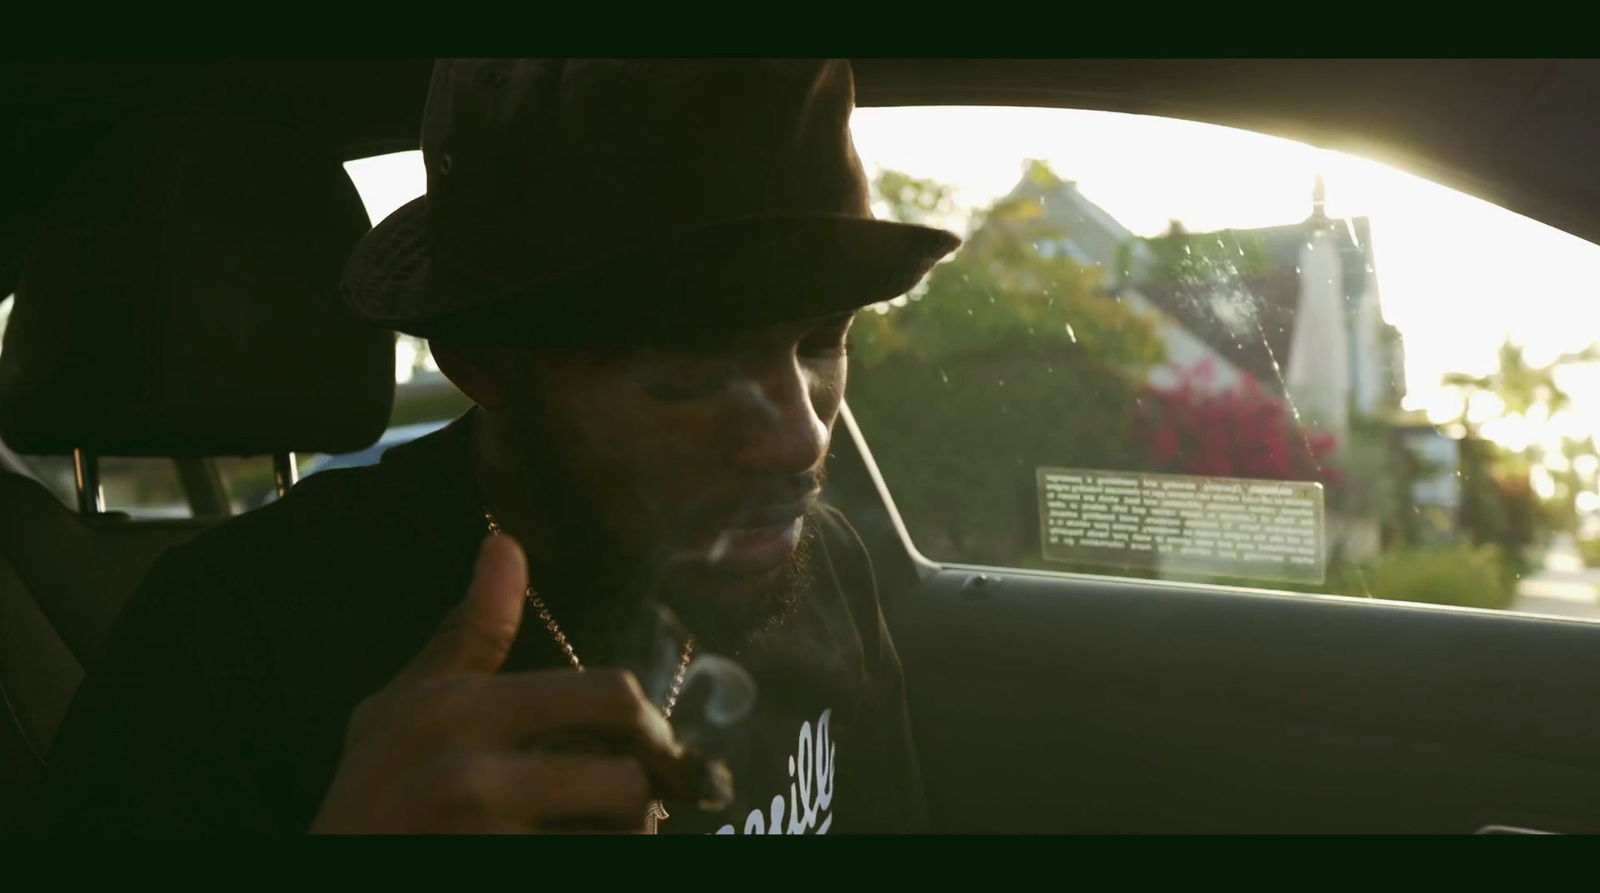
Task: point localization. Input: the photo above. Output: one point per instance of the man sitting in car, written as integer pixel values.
(643, 274)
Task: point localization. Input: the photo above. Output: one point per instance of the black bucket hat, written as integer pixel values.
(582, 200)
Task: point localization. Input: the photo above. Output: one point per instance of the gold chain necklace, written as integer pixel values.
(655, 812)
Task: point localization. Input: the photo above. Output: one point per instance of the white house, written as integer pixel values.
(1303, 317)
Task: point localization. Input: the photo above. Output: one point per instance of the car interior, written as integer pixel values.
(173, 234)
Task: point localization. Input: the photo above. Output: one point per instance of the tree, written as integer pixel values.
(912, 200)
(1519, 385)
(1009, 359)
(1562, 508)
(1495, 476)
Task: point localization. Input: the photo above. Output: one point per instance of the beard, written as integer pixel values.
(607, 607)
(618, 559)
(727, 625)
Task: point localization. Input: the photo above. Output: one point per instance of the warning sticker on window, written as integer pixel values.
(1181, 524)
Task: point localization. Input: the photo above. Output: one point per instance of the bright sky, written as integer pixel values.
(1456, 274)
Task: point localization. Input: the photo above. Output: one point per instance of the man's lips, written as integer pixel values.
(756, 543)
(752, 550)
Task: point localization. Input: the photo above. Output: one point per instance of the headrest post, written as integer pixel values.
(285, 471)
(86, 473)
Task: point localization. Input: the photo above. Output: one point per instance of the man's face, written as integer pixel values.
(683, 470)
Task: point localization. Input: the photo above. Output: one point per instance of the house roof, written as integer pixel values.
(1093, 235)
(1254, 332)
(1250, 321)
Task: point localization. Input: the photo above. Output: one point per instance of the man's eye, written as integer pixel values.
(685, 378)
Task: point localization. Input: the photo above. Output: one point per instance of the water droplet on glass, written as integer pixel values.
(718, 548)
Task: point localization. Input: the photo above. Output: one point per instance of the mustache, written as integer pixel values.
(768, 504)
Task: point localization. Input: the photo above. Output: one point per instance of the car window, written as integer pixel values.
(1178, 351)
(1170, 350)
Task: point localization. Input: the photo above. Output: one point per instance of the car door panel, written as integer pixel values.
(1068, 703)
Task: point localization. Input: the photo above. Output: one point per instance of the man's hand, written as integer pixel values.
(451, 745)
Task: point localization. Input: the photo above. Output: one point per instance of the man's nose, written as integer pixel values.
(777, 427)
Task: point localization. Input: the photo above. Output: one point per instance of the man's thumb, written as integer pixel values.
(477, 636)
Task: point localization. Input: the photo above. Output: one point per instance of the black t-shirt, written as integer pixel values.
(220, 701)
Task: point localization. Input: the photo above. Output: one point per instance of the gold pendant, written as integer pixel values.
(653, 814)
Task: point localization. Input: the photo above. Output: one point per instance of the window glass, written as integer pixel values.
(250, 481)
(1174, 350)
(145, 488)
(1191, 339)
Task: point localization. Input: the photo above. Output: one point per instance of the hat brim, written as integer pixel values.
(729, 275)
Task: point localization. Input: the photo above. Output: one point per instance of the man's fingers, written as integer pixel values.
(535, 708)
(564, 790)
(478, 634)
(507, 791)
(600, 711)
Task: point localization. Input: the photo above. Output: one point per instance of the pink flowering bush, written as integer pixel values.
(1245, 432)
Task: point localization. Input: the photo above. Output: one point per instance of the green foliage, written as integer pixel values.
(1590, 550)
(912, 200)
(1513, 516)
(1000, 293)
(1466, 576)
(1557, 513)
(1518, 384)
(959, 442)
(1461, 575)
(1561, 511)
(1498, 506)
(1009, 360)
(1483, 513)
